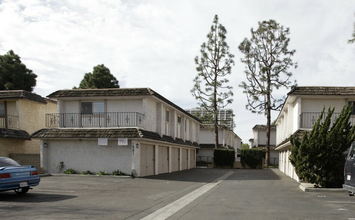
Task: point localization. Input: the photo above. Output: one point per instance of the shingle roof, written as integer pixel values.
(21, 94)
(10, 133)
(115, 92)
(322, 90)
(48, 133)
(264, 127)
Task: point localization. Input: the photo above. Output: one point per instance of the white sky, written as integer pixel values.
(153, 43)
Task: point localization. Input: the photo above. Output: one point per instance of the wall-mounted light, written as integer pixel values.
(45, 145)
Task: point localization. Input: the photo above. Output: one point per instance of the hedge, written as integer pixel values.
(224, 157)
(252, 157)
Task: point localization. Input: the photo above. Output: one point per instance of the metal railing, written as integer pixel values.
(102, 119)
(9, 121)
(308, 119)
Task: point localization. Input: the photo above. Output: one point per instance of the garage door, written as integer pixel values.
(147, 160)
(163, 162)
(184, 159)
(192, 158)
(175, 159)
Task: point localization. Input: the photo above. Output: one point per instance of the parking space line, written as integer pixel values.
(174, 207)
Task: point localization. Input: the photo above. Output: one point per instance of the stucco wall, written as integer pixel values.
(150, 118)
(86, 155)
(317, 104)
(125, 105)
(9, 145)
(11, 108)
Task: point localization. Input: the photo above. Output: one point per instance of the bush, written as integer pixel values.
(101, 173)
(224, 157)
(70, 171)
(252, 157)
(318, 157)
(88, 172)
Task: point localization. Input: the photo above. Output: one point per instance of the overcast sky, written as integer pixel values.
(153, 43)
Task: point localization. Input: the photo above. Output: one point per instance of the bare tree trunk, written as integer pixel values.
(268, 124)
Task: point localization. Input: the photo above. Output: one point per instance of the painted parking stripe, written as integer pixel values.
(174, 207)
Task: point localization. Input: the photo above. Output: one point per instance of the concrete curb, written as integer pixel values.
(308, 187)
(81, 175)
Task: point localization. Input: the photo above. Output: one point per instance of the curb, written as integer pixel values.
(308, 187)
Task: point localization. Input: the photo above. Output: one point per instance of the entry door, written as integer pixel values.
(147, 160)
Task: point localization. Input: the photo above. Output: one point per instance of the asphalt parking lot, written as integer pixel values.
(190, 194)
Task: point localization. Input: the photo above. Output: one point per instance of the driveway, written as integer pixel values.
(190, 194)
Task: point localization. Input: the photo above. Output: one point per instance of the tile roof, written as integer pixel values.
(21, 94)
(17, 134)
(115, 92)
(322, 90)
(48, 133)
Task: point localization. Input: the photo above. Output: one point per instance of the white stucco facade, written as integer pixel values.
(159, 135)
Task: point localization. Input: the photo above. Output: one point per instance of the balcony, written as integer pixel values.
(94, 120)
(308, 119)
(9, 121)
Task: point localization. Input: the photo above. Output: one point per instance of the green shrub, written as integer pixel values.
(88, 172)
(252, 157)
(224, 157)
(119, 173)
(69, 171)
(101, 173)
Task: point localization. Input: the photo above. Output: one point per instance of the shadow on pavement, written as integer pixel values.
(193, 175)
(256, 174)
(32, 197)
(211, 174)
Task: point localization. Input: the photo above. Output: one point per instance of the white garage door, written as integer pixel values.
(175, 159)
(192, 158)
(163, 162)
(147, 160)
(184, 159)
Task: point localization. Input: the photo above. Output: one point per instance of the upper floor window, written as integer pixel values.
(2, 108)
(353, 108)
(179, 119)
(167, 116)
(92, 107)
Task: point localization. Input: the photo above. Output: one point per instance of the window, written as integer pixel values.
(353, 108)
(92, 107)
(2, 108)
(167, 116)
(179, 119)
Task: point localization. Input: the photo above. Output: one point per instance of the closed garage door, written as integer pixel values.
(163, 162)
(175, 159)
(147, 160)
(192, 158)
(184, 159)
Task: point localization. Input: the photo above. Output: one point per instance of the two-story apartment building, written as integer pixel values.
(227, 139)
(301, 110)
(259, 141)
(128, 129)
(21, 114)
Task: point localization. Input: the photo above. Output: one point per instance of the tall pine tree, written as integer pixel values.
(210, 84)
